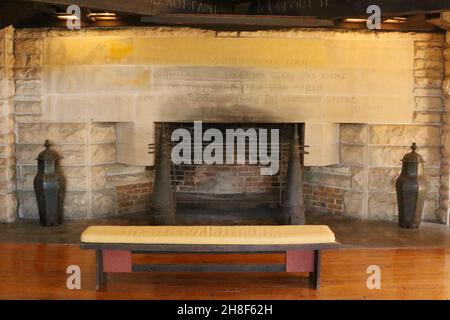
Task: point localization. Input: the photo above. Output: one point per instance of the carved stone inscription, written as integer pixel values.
(141, 80)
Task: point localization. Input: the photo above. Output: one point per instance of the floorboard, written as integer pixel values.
(38, 271)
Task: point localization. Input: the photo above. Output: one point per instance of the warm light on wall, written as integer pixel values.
(67, 16)
(102, 16)
(390, 20)
(358, 20)
(395, 20)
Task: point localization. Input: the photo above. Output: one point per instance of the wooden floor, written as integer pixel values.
(38, 271)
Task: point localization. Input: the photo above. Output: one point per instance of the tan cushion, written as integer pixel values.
(209, 235)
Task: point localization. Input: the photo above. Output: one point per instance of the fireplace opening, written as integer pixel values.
(224, 192)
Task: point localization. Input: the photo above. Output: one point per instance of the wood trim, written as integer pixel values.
(179, 248)
(208, 268)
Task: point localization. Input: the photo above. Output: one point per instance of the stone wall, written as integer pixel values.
(8, 199)
(370, 154)
(444, 204)
(362, 185)
(89, 149)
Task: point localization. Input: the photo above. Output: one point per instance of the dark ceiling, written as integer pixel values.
(408, 15)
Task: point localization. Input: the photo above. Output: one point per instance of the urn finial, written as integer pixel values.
(414, 147)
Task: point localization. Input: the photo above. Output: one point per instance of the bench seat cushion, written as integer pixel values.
(209, 235)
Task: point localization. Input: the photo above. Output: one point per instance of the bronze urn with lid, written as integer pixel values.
(48, 187)
(411, 187)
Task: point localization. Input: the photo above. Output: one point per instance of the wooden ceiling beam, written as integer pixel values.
(441, 19)
(337, 9)
(236, 20)
(12, 12)
(147, 7)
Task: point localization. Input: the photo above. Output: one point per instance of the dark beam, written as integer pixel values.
(236, 20)
(441, 19)
(148, 7)
(346, 8)
(12, 13)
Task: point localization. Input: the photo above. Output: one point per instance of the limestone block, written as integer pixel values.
(428, 82)
(442, 215)
(131, 178)
(429, 103)
(421, 117)
(7, 187)
(98, 177)
(27, 205)
(103, 153)
(35, 133)
(446, 143)
(120, 174)
(30, 46)
(7, 162)
(353, 155)
(429, 64)
(446, 87)
(428, 92)
(405, 135)
(6, 108)
(103, 202)
(27, 60)
(429, 44)
(429, 53)
(29, 87)
(358, 179)
(447, 54)
(7, 88)
(353, 133)
(383, 179)
(382, 206)
(29, 33)
(102, 133)
(6, 124)
(29, 118)
(391, 156)
(433, 176)
(6, 151)
(76, 205)
(7, 173)
(339, 181)
(28, 73)
(89, 50)
(72, 154)
(7, 138)
(75, 178)
(429, 73)
(27, 107)
(430, 208)
(354, 204)
(8, 208)
(333, 170)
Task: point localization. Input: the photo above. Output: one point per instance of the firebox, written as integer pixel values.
(224, 172)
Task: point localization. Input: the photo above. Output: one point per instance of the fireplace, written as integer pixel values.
(237, 187)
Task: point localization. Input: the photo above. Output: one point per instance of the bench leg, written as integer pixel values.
(100, 275)
(314, 276)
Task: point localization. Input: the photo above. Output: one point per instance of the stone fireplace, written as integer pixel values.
(99, 95)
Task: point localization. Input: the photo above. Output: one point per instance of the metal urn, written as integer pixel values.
(48, 187)
(411, 187)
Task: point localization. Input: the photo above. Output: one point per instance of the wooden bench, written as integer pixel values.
(302, 246)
